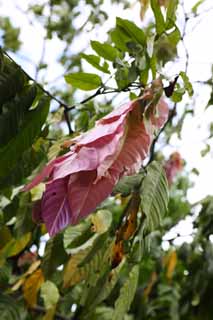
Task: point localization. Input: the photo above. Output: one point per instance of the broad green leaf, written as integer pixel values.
(105, 50)
(12, 80)
(88, 264)
(178, 94)
(50, 294)
(171, 14)
(51, 260)
(154, 195)
(24, 221)
(28, 161)
(135, 33)
(127, 184)
(84, 81)
(127, 293)
(75, 237)
(95, 62)
(8, 308)
(122, 77)
(16, 110)
(31, 128)
(120, 38)
(187, 83)
(14, 246)
(72, 273)
(159, 19)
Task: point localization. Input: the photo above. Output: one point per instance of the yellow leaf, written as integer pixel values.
(17, 245)
(32, 286)
(5, 236)
(18, 284)
(73, 274)
(31, 269)
(101, 221)
(171, 264)
(150, 285)
(50, 314)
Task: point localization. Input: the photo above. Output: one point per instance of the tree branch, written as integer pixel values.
(155, 140)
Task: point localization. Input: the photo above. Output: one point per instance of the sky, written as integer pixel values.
(200, 48)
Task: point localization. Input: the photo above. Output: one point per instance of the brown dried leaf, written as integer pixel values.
(32, 286)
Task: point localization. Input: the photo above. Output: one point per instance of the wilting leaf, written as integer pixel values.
(101, 221)
(32, 286)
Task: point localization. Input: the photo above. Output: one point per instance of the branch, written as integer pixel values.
(154, 142)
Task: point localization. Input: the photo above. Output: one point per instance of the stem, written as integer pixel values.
(155, 140)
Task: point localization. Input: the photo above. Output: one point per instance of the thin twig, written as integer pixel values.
(155, 140)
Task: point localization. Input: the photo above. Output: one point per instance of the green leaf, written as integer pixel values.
(31, 128)
(50, 294)
(8, 308)
(128, 184)
(95, 62)
(154, 195)
(105, 50)
(196, 6)
(12, 80)
(15, 112)
(121, 77)
(28, 161)
(171, 14)
(76, 236)
(178, 94)
(175, 36)
(84, 81)
(120, 38)
(51, 260)
(159, 20)
(127, 293)
(135, 33)
(187, 83)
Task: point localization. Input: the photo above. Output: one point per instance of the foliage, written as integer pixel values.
(120, 261)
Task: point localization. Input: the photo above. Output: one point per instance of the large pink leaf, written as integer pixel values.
(84, 194)
(46, 172)
(56, 212)
(91, 158)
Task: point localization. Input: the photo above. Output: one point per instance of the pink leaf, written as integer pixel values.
(56, 212)
(46, 172)
(84, 194)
